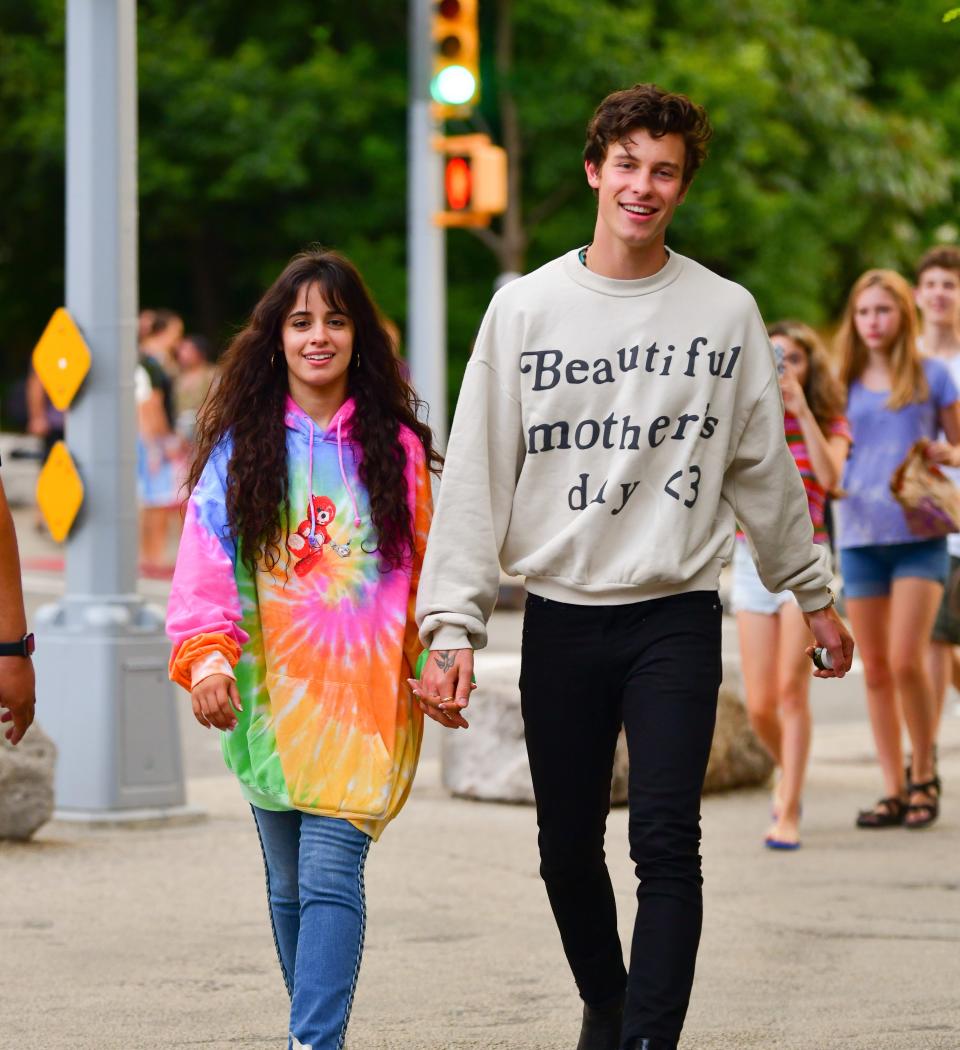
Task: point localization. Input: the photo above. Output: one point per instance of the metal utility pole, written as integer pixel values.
(426, 248)
(104, 696)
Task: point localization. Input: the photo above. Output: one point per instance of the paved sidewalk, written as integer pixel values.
(120, 939)
(117, 938)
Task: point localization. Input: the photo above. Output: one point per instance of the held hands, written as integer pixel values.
(216, 702)
(445, 686)
(17, 695)
(830, 632)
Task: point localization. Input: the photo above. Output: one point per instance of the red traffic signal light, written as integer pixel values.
(474, 180)
(458, 183)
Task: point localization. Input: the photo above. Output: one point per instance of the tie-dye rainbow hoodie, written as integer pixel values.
(321, 645)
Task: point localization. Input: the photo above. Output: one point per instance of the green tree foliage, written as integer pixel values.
(811, 179)
(914, 62)
(31, 175)
(262, 129)
(267, 127)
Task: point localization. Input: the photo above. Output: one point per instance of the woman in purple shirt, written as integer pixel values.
(892, 578)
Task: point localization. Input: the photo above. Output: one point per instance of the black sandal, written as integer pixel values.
(929, 811)
(892, 817)
(908, 772)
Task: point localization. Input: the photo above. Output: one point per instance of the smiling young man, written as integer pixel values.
(620, 412)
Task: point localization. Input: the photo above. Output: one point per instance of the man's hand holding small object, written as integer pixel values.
(832, 655)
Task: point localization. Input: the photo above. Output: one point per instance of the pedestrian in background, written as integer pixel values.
(160, 344)
(144, 324)
(773, 634)
(160, 452)
(196, 373)
(938, 297)
(893, 579)
(291, 611)
(45, 421)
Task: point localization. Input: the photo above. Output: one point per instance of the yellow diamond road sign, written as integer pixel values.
(61, 359)
(59, 492)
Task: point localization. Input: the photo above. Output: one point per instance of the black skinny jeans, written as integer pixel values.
(655, 667)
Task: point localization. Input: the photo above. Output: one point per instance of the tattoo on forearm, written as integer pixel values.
(444, 660)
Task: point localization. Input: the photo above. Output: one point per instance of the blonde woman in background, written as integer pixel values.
(893, 579)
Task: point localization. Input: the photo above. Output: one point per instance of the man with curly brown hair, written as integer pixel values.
(620, 412)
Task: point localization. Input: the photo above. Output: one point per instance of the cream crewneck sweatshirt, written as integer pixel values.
(607, 437)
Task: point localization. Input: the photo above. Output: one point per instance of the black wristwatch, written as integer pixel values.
(24, 647)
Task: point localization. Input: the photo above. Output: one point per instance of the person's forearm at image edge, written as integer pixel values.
(16, 672)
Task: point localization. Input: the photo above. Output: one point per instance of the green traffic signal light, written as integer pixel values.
(456, 75)
(453, 86)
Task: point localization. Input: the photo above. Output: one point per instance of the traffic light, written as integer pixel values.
(458, 183)
(456, 49)
(474, 180)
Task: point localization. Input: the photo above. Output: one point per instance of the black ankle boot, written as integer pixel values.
(650, 1044)
(601, 1026)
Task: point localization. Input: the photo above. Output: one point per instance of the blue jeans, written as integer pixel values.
(314, 869)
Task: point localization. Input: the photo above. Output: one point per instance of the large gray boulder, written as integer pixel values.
(737, 758)
(26, 783)
(489, 763)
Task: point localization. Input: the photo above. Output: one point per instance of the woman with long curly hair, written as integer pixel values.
(773, 636)
(291, 612)
(893, 578)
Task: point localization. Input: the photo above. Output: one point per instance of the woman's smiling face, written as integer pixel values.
(317, 342)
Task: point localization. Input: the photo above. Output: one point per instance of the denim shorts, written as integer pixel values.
(869, 571)
(748, 594)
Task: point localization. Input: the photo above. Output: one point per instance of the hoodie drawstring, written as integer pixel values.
(343, 476)
(343, 473)
(313, 513)
(353, 499)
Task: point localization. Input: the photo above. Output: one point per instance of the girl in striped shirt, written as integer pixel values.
(773, 636)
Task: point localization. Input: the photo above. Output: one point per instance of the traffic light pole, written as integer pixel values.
(426, 248)
(104, 696)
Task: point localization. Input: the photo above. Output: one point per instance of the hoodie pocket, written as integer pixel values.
(333, 757)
